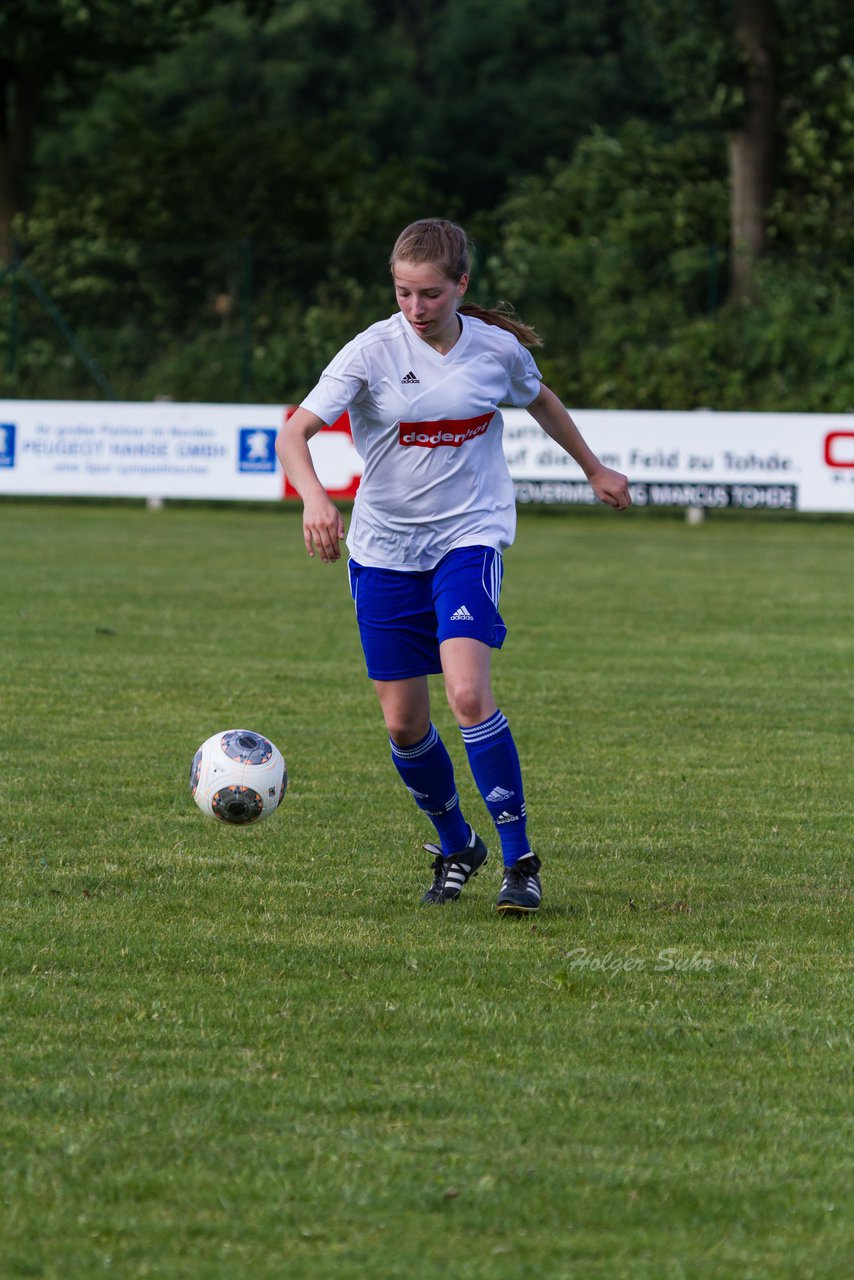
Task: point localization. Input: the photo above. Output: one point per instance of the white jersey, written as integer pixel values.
(429, 432)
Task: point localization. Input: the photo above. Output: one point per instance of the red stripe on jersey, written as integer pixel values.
(449, 431)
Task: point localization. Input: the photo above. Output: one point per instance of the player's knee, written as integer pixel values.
(470, 703)
(404, 730)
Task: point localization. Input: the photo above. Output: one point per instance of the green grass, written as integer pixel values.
(232, 1054)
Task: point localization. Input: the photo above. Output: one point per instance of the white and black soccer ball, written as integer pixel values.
(238, 776)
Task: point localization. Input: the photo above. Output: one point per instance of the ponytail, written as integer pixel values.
(504, 317)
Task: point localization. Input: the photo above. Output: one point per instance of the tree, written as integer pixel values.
(760, 74)
(601, 154)
(609, 258)
(752, 145)
(516, 83)
(61, 47)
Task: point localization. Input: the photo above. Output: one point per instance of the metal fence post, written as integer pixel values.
(68, 334)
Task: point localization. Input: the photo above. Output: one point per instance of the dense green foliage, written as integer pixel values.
(212, 203)
(249, 1054)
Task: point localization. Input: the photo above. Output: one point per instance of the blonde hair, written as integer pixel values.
(446, 246)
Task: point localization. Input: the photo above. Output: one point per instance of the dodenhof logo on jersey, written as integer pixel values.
(256, 449)
(7, 444)
(450, 432)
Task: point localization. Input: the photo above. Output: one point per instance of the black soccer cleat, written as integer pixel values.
(521, 891)
(451, 873)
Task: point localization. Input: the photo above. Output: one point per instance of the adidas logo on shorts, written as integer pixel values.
(462, 615)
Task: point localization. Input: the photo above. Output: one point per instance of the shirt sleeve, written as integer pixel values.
(523, 378)
(340, 383)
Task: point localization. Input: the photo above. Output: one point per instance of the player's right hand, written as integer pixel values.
(323, 528)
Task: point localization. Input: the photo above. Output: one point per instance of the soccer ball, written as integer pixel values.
(238, 776)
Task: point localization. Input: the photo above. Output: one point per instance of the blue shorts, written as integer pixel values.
(404, 617)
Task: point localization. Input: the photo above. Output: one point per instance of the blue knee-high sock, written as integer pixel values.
(428, 775)
(495, 767)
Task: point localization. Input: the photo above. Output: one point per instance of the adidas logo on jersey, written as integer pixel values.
(462, 615)
(410, 379)
(496, 794)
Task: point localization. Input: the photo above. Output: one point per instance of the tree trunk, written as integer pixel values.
(751, 149)
(20, 93)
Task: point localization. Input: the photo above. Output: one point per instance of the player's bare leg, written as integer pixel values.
(467, 668)
(406, 708)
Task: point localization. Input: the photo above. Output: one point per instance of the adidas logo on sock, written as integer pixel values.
(506, 817)
(498, 793)
(462, 615)
(409, 379)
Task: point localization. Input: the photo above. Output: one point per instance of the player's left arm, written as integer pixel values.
(609, 486)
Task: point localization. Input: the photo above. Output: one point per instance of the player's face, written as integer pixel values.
(429, 301)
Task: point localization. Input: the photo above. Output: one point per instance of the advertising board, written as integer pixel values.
(750, 461)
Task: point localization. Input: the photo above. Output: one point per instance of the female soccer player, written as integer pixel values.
(433, 514)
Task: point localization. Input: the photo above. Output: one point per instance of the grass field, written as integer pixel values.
(248, 1053)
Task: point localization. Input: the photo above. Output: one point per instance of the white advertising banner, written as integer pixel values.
(139, 450)
(781, 461)
(798, 462)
